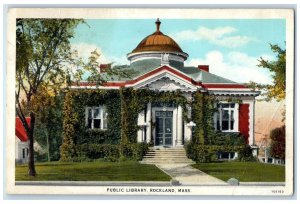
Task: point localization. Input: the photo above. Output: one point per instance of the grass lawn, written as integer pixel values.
(92, 171)
(244, 171)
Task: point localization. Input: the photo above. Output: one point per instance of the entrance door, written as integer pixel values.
(164, 128)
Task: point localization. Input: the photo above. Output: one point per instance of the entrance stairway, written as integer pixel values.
(163, 155)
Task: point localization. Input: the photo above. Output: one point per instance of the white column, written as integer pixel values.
(236, 118)
(251, 122)
(179, 126)
(141, 121)
(148, 122)
(187, 126)
(174, 131)
(187, 132)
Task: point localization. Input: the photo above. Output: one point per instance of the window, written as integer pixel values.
(226, 117)
(96, 117)
(23, 151)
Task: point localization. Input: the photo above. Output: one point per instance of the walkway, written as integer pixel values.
(187, 175)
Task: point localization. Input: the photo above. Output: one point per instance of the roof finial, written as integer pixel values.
(157, 25)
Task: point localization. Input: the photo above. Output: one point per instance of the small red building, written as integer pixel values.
(21, 142)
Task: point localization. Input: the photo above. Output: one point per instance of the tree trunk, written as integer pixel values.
(31, 167)
(48, 147)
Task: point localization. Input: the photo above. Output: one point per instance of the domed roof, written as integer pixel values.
(157, 42)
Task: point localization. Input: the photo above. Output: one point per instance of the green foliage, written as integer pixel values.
(276, 90)
(75, 132)
(48, 129)
(245, 154)
(206, 142)
(219, 142)
(40, 156)
(134, 151)
(202, 115)
(134, 101)
(96, 151)
(111, 152)
(69, 124)
(94, 136)
(43, 59)
(277, 148)
(207, 153)
(227, 139)
(46, 63)
(123, 107)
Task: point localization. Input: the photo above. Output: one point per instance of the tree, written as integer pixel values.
(278, 70)
(277, 147)
(45, 63)
(48, 129)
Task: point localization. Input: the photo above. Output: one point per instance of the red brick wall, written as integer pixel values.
(244, 121)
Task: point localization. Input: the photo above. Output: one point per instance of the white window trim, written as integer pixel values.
(102, 117)
(235, 117)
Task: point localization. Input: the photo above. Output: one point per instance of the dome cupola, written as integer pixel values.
(158, 45)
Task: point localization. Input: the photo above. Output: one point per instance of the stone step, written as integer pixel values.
(164, 156)
(167, 162)
(168, 150)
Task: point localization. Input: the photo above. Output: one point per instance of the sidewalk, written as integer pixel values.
(188, 175)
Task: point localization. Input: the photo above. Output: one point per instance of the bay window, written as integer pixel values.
(96, 117)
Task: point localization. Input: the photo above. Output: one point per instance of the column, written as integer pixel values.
(251, 123)
(236, 118)
(188, 126)
(148, 122)
(187, 132)
(179, 126)
(141, 121)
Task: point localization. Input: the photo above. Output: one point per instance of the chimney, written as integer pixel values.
(204, 67)
(103, 67)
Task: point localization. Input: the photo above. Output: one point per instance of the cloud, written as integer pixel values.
(236, 66)
(221, 36)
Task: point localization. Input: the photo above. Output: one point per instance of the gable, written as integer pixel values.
(166, 84)
(166, 79)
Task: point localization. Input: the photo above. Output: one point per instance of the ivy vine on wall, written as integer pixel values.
(123, 107)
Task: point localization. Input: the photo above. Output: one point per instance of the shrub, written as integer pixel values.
(96, 151)
(228, 139)
(199, 152)
(134, 151)
(245, 154)
(94, 136)
(277, 147)
(207, 153)
(110, 152)
(40, 156)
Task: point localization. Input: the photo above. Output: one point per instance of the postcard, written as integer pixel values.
(115, 101)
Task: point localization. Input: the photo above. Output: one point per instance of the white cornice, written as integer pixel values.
(227, 92)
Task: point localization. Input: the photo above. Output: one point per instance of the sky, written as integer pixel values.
(230, 47)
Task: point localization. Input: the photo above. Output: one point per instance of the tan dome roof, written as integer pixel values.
(157, 42)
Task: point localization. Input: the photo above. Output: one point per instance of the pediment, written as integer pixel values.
(165, 84)
(165, 79)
